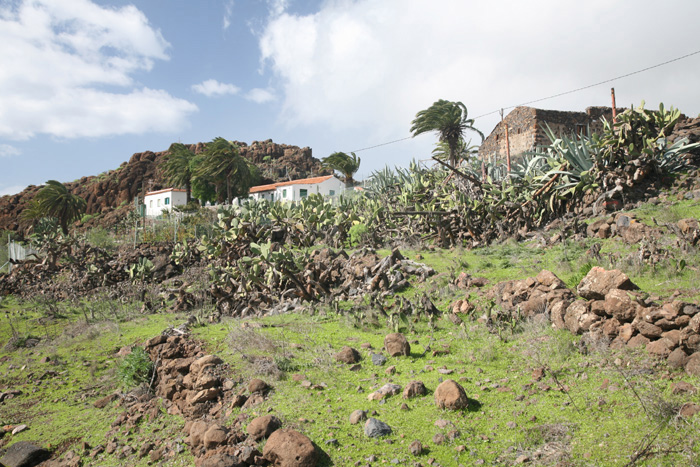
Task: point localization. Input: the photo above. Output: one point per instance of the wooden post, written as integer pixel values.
(507, 144)
(614, 108)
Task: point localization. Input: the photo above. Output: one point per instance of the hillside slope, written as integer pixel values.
(111, 192)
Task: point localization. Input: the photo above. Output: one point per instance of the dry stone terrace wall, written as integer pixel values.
(608, 309)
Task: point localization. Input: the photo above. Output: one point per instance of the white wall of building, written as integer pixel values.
(157, 201)
(298, 191)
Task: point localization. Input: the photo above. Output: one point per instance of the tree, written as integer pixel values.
(343, 163)
(221, 163)
(177, 167)
(464, 150)
(54, 200)
(450, 120)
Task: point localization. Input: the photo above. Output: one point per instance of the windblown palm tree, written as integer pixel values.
(450, 120)
(178, 166)
(54, 200)
(221, 162)
(343, 163)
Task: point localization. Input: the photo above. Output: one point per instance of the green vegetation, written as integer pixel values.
(347, 165)
(136, 368)
(178, 167)
(450, 120)
(221, 164)
(538, 395)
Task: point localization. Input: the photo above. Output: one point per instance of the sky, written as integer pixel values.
(85, 84)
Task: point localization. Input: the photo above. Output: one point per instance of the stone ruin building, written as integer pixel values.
(526, 129)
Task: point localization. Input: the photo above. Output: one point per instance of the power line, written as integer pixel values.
(596, 84)
(555, 95)
(383, 144)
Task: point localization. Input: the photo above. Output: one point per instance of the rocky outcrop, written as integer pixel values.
(111, 193)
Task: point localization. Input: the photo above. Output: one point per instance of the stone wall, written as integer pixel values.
(525, 130)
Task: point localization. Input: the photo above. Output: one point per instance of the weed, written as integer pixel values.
(135, 369)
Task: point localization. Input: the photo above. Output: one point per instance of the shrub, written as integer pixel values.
(101, 238)
(136, 368)
(356, 233)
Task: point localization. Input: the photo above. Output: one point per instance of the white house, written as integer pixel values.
(157, 201)
(295, 190)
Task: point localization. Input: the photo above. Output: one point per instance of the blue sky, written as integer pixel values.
(85, 84)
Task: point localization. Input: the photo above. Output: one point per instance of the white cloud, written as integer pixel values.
(228, 13)
(213, 88)
(8, 151)
(260, 96)
(368, 67)
(66, 57)
(277, 7)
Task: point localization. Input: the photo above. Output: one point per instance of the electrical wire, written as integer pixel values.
(554, 95)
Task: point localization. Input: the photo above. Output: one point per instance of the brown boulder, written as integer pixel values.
(219, 459)
(262, 427)
(620, 305)
(206, 361)
(638, 341)
(257, 385)
(633, 233)
(214, 436)
(611, 328)
(348, 355)
(203, 396)
(450, 395)
(647, 329)
(557, 314)
(396, 344)
(550, 280)
(197, 431)
(289, 448)
(661, 347)
(683, 387)
(578, 318)
(692, 365)
(677, 358)
(598, 282)
(625, 332)
(689, 409)
(414, 389)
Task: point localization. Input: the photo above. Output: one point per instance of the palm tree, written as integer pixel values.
(450, 120)
(464, 150)
(54, 200)
(177, 167)
(346, 165)
(221, 162)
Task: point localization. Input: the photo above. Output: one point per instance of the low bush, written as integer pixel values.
(136, 368)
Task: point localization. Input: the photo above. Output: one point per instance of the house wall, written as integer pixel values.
(156, 203)
(525, 131)
(263, 195)
(293, 192)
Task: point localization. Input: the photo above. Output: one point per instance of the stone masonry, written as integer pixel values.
(526, 132)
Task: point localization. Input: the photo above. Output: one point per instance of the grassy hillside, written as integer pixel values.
(538, 395)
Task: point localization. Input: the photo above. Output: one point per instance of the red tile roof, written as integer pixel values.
(164, 190)
(303, 181)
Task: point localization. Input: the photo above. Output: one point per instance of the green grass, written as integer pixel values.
(589, 409)
(589, 423)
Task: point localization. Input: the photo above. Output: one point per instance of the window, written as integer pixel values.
(284, 193)
(158, 202)
(302, 192)
(580, 129)
(331, 192)
(150, 204)
(167, 201)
